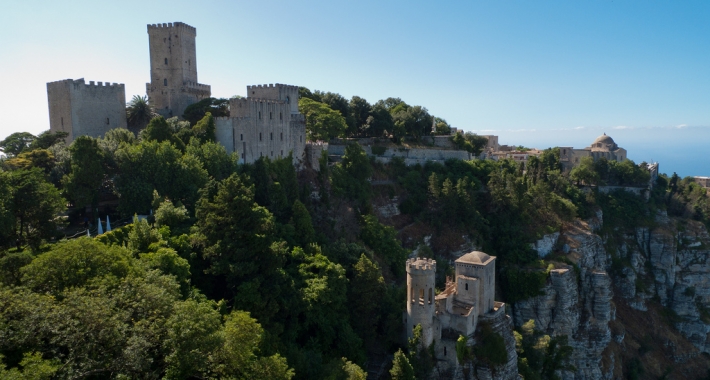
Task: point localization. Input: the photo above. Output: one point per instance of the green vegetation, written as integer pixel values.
(257, 271)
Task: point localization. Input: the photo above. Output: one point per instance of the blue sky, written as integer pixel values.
(534, 72)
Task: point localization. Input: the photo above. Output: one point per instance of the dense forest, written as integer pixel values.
(262, 270)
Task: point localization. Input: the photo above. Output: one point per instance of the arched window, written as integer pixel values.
(421, 296)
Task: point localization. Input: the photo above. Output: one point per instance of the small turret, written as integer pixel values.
(421, 274)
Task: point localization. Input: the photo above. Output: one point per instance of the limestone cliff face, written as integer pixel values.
(677, 255)
(663, 270)
(577, 303)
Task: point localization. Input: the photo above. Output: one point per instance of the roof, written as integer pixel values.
(475, 257)
(604, 139)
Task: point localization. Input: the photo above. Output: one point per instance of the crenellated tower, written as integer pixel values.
(421, 276)
(173, 69)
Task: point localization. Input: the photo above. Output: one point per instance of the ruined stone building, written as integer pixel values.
(457, 310)
(267, 123)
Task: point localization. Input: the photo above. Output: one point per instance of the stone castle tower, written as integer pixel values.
(421, 276)
(81, 108)
(173, 69)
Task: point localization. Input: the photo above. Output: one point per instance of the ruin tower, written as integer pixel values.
(421, 274)
(173, 69)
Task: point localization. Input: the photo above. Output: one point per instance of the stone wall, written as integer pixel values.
(85, 109)
(411, 156)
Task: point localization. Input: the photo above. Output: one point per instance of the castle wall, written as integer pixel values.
(282, 92)
(86, 109)
(173, 69)
(410, 156)
(262, 128)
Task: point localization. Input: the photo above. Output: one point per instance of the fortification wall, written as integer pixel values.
(278, 91)
(410, 156)
(86, 109)
(439, 141)
(253, 138)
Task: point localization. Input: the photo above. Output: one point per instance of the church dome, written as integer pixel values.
(475, 257)
(604, 139)
(604, 143)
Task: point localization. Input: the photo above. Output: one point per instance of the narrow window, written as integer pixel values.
(166, 61)
(271, 116)
(259, 136)
(271, 135)
(466, 286)
(282, 136)
(242, 156)
(300, 138)
(165, 82)
(282, 153)
(62, 120)
(272, 153)
(107, 122)
(411, 293)
(281, 116)
(430, 291)
(421, 296)
(288, 100)
(261, 154)
(241, 137)
(259, 115)
(444, 350)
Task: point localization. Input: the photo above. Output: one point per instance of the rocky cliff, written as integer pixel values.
(658, 276)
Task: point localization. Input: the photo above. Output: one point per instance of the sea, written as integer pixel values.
(684, 150)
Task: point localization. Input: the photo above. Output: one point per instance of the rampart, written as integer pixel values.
(170, 25)
(411, 156)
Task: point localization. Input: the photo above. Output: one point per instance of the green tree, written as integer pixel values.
(322, 122)
(73, 263)
(357, 118)
(218, 107)
(48, 138)
(16, 143)
(29, 207)
(88, 170)
(383, 241)
(238, 236)
(205, 129)
(586, 172)
(214, 158)
(34, 367)
(401, 369)
(139, 112)
(350, 177)
(366, 284)
(159, 130)
(301, 222)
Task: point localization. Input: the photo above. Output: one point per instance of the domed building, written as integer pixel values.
(602, 147)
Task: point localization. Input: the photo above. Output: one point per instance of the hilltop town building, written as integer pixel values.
(603, 147)
(89, 109)
(266, 123)
(455, 311)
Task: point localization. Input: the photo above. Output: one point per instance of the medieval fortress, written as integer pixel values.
(456, 311)
(266, 123)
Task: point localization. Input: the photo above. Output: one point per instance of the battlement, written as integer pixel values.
(197, 86)
(172, 25)
(421, 266)
(80, 84)
(272, 85)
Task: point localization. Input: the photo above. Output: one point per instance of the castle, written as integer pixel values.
(457, 309)
(267, 123)
(603, 147)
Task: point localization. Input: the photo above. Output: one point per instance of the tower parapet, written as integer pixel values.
(421, 304)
